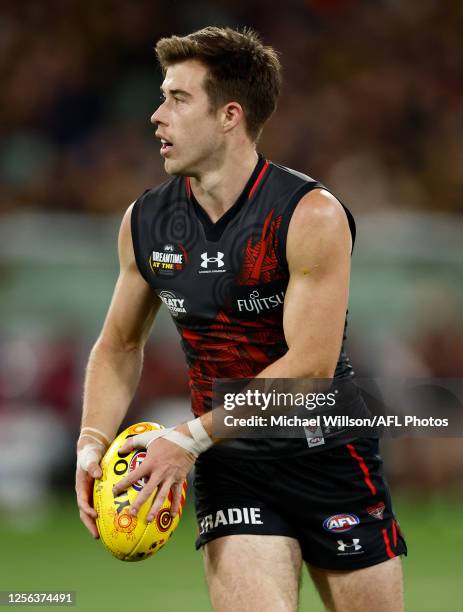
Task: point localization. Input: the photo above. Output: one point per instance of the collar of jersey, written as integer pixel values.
(214, 231)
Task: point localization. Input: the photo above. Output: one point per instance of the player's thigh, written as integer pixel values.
(253, 573)
(378, 587)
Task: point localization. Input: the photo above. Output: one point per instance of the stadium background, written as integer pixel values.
(371, 106)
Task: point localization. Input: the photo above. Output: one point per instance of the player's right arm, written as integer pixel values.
(114, 368)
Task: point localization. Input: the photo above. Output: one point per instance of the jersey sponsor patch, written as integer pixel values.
(174, 302)
(253, 301)
(256, 303)
(212, 263)
(169, 260)
(338, 523)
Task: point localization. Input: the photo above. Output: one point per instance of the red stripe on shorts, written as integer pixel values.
(363, 466)
(394, 533)
(390, 554)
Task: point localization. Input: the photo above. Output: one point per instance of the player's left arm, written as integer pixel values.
(318, 252)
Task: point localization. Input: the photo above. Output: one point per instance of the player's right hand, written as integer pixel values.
(84, 489)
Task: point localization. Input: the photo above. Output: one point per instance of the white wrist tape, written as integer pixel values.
(200, 435)
(184, 441)
(87, 435)
(97, 431)
(91, 453)
(146, 438)
(196, 445)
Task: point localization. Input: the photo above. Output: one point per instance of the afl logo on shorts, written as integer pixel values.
(338, 523)
(135, 462)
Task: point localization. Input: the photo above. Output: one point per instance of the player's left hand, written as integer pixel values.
(165, 467)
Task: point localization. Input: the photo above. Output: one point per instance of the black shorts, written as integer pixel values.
(335, 502)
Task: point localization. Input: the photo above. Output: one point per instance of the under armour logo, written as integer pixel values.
(207, 260)
(343, 547)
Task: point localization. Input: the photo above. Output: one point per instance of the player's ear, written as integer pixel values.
(232, 114)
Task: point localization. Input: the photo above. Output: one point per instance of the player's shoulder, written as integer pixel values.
(320, 206)
(146, 204)
(289, 176)
(313, 205)
(165, 190)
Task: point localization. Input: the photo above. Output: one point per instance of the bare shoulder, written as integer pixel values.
(319, 208)
(319, 227)
(125, 245)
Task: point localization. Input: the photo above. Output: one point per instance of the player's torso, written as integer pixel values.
(207, 273)
(223, 283)
(227, 276)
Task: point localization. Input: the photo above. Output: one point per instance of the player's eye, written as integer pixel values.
(162, 97)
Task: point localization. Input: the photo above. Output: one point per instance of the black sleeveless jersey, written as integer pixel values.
(224, 283)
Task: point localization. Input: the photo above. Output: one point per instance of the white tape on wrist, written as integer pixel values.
(200, 435)
(97, 431)
(91, 453)
(184, 441)
(146, 438)
(87, 435)
(197, 444)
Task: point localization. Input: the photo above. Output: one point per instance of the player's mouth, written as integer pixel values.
(166, 146)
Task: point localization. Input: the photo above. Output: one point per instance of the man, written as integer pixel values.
(252, 259)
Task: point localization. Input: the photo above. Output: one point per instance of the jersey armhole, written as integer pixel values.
(134, 225)
(291, 207)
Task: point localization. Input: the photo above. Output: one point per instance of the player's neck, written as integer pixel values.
(217, 189)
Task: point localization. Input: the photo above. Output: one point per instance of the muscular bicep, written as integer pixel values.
(318, 254)
(133, 305)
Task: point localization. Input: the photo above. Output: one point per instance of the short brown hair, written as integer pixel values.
(240, 68)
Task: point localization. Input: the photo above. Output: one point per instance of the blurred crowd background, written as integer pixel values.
(372, 98)
(371, 105)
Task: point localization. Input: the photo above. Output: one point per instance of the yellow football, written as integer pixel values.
(127, 537)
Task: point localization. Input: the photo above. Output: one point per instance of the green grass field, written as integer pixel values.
(61, 556)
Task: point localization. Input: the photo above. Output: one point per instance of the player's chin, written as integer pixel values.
(173, 166)
(176, 167)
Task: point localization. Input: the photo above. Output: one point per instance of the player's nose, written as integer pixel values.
(158, 116)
